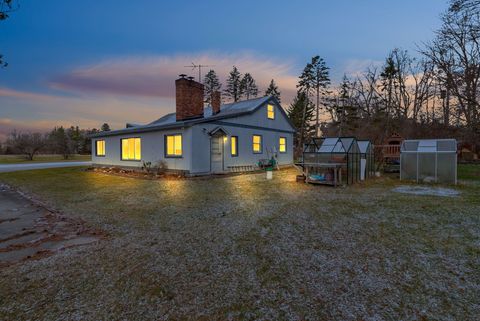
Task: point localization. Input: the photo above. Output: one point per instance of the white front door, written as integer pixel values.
(216, 154)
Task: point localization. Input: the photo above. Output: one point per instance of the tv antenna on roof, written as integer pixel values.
(199, 67)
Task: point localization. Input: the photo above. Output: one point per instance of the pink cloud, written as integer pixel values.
(12, 93)
(23, 110)
(154, 76)
(131, 89)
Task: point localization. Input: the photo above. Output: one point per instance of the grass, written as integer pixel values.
(20, 159)
(243, 248)
(469, 171)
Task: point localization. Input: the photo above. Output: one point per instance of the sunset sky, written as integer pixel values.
(89, 62)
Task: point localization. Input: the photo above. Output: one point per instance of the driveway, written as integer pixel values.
(25, 167)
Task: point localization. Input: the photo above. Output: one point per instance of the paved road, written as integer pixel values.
(25, 167)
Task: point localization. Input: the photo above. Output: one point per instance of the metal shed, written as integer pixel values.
(429, 160)
(342, 152)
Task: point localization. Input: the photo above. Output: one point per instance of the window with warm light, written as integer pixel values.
(131, 149)
(270, 111)
(234, 145)
(100, 148)
(173, 146)
(282, 145)
(257, 144)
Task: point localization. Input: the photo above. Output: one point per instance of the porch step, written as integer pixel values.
(241, 168)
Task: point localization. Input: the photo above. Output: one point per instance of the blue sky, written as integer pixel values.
(89, 62)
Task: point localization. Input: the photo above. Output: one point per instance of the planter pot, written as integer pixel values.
(269, 174)
(301, 178)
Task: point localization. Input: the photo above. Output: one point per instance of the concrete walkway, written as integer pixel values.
(24, 167)
(28, 230)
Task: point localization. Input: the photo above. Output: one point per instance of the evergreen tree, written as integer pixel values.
(233, 90)
(388, 84)
(273, 91)
(315, 80)
(388, 77)
(301, 114)
(342, 109)
(248, 87)
(105, 127)
(60, 142)
(212, 84)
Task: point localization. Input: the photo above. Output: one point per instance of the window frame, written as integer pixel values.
(121, 149)
(96, 148)
(236, 146)
(273, 111)
(261, 144)
(279, 144)
(165, 148)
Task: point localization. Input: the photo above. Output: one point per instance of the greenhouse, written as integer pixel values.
(334, 161)
(429, 160)
(367, 159)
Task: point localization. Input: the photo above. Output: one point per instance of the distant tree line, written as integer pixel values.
(60, 141)
(433, 94)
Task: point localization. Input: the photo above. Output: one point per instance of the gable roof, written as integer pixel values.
(363, 145)
(169, 121)
(331, 145)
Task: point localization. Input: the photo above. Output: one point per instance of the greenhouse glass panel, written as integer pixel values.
(447, 145)
(446, 167)
(408, 168)
(342, 153)
(430, 160)
(367, 161)
(427, 146)
(426, 167)
(410, 146)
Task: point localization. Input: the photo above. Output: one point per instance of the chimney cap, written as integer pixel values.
(190, 78)
(182, 75)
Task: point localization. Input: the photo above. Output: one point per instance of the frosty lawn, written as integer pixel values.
(244, 248)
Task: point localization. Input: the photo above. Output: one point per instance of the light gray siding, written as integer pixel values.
(259, 118)
(196, 142)
(244, 127)
(152, 149)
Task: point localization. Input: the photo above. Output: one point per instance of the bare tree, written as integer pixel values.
(365, 89)
(455, 53)
(28, 144)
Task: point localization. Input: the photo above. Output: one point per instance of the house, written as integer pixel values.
(200, 140)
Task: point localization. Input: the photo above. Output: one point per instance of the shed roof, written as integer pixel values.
(429, 145)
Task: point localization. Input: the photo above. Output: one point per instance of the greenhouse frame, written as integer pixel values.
(342, 151)
(367, 159)
(429, 160)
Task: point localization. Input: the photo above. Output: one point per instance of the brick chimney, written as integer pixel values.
(216, 100)
(189, 98)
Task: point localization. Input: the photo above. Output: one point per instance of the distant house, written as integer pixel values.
(198, 140)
